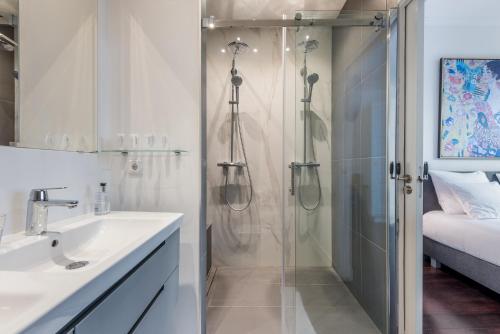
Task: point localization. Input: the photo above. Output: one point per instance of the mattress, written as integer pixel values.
(479, 238)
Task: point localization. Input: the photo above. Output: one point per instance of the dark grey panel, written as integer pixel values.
(483, 272)
(373, 109)
(373, 201)
(354, 281)
(374, 297)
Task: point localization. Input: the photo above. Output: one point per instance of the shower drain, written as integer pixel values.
(77, 265)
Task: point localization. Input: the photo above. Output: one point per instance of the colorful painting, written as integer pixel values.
(470, 108)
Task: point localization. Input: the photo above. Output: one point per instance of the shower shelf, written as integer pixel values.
(145, 151)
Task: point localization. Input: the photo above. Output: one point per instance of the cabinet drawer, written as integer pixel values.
(123, 307)
(161, 316)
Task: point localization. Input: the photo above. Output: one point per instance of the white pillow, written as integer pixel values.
(443, 181)
(479, 200)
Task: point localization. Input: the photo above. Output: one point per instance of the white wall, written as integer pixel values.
(151, 86)
(454, 28)
(24, 169)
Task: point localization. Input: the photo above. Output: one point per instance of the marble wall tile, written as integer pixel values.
(254, 237)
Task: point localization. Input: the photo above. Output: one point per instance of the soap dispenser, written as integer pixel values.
(102, 202)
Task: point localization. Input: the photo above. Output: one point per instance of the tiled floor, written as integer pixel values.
(247, 301)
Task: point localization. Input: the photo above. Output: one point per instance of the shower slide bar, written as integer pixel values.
(212, 23)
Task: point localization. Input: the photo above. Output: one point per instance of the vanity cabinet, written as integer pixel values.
(142, 302)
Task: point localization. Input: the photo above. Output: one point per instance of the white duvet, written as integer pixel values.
(479, 238)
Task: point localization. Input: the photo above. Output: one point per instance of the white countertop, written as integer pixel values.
(38, 299)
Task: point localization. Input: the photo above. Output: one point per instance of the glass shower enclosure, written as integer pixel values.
(333, 80)
(337, 227)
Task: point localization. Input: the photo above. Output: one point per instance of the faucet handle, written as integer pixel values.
(42, 194)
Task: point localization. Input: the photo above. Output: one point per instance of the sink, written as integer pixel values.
(82, 257)
(90, 242)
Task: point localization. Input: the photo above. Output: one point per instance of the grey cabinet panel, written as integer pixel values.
(160, 318)
(124, 306)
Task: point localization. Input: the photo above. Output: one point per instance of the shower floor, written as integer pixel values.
(248, 301)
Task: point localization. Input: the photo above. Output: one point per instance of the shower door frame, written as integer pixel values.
(211, 23)
(394, 280)
(410, 152)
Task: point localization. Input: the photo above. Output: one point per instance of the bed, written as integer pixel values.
(470, 247)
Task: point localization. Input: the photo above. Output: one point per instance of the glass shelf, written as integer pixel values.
(145, 151)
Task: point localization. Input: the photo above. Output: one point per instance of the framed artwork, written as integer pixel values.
(469, 124)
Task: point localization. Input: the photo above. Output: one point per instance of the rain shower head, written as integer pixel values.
(237, 47)
(236, 81)
(309, 45)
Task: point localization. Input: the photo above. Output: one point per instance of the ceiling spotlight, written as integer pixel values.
(307, 37)
(238, 39)
(287, 49)
(211, 22)
(255, 50)
(223, 50)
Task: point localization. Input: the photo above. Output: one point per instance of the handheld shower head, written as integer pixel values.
(236, 80)
(312, 80)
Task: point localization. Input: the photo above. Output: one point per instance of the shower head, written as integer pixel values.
(312, 80)
(237, 47)
(309, 45)
(236, 81)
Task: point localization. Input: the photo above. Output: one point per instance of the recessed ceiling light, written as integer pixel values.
(287, 49)
(223, 50)
(255, 50)
(307, 37)
(238, 39)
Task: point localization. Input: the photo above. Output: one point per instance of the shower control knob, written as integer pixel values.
(408, 190)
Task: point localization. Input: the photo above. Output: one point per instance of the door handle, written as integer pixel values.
(394, 170)
(292, 178)
(406, 178)
(425, 173)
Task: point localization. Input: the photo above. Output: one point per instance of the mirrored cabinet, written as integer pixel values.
(48, 74)
(62, 69)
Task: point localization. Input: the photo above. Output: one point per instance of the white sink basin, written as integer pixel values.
(35, 284)
(92, 240)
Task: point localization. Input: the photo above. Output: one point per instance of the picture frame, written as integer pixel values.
(469, 108)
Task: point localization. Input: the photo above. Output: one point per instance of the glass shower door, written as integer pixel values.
(336, 226)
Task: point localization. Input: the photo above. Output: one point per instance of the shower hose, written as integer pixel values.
(301, 200)
(243, 149)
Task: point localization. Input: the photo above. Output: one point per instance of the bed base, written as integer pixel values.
(483, 272)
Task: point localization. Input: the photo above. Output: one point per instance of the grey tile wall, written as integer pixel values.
(359, 162)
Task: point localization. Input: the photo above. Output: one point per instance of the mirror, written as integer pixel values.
(48, 74)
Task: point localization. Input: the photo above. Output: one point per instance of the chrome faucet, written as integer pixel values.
(38, 205)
